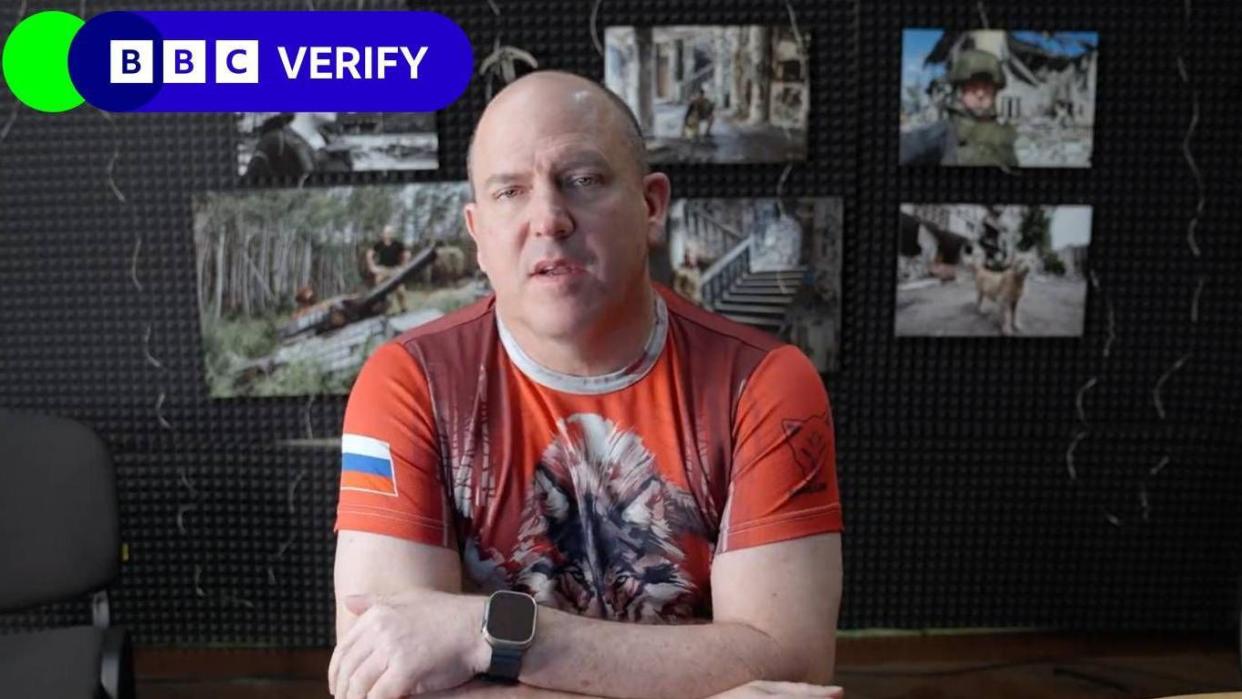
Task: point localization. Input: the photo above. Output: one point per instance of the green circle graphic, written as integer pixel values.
(36, 61)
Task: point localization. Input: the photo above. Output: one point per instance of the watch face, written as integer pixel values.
(511, 617)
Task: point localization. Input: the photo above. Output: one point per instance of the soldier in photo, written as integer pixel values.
(971, 135)
(293, 145)
(699, 111)
(385, 258)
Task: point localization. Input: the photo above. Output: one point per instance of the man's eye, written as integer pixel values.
(584, 180)
(506, 193)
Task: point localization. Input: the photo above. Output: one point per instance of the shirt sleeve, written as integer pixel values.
(784, 480)
(390, 462)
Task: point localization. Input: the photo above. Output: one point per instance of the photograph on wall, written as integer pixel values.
(293, 145)
(713, 94)
(1008, 99)
(773, 264)
(977, 270)
(296, 287)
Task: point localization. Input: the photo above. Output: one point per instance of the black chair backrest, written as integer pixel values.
(59, 530)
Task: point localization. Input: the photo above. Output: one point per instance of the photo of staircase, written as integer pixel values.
(768, 264)
(761, 299)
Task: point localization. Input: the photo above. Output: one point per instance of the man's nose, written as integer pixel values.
(549, 215)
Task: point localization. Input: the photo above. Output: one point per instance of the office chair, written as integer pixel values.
(59, 540)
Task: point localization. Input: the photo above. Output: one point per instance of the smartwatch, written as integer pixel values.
(509, 628)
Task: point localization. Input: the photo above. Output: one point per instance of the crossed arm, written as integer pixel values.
(404, 627)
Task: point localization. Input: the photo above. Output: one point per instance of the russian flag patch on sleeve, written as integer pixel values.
(366, 465)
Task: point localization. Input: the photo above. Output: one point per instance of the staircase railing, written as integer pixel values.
(720, 276)
(715, 236)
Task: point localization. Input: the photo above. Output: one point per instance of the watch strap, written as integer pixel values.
(506, 664)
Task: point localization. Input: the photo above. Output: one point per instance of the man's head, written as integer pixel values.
(387, 233)
(564, 205)
(978, 76)
(635, 142)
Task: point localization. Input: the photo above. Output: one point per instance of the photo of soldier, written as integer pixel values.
(293, 145)
(713, 94)
(992, 98)
(971, 134)
(298, 285)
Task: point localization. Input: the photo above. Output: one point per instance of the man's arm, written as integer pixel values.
(775, 607)
(775, 619)
(374, 564)
(792, 589)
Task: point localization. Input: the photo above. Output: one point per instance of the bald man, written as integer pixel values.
(643, 492)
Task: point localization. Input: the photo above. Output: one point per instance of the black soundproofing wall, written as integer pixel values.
(955, 454)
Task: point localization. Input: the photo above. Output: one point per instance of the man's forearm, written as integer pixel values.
(614, 659)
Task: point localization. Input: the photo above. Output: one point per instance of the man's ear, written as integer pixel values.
(657, 191)
(470, 212)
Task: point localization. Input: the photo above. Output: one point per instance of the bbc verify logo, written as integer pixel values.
(256, 61)
(237, 61)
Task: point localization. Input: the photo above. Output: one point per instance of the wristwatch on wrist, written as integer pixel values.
(509, 628)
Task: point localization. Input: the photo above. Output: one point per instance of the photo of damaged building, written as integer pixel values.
(713, 94)
(772, 264)
(1043, 109)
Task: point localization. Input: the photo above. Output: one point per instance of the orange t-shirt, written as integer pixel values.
(606, 496)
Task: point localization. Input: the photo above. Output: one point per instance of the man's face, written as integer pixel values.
(979, 95)
(562, 216)
(386, 234)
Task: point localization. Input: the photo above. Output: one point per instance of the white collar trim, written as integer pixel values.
(591, 385)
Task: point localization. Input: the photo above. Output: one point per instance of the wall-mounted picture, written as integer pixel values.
(774, 264)
(296, 287)
(293, 145)
(713, 94)
(1006, 99)
(992, 270)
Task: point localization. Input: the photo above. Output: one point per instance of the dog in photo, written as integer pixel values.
(1004, 288)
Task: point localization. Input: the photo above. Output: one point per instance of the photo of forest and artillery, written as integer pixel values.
(296, 287)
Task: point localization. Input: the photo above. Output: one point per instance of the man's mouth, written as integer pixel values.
(556, 268)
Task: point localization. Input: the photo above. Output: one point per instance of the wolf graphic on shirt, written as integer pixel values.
(600, 530)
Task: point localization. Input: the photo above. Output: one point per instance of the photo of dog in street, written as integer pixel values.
(968, 270)
(1004, 289)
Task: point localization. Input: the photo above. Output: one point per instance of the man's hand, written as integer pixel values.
(764, 690)
(408, 643)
